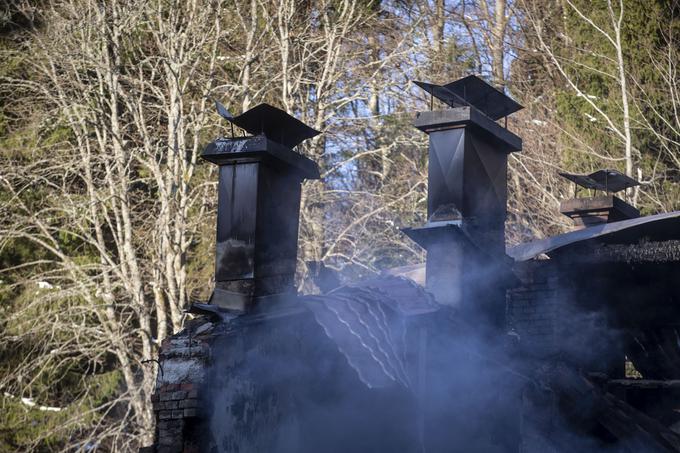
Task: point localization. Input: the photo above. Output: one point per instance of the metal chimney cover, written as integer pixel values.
(447, 97)
(275, 124)
(493, 103)
(605, 180)
(472, 90)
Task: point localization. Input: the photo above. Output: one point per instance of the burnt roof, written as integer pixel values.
(366, 320)
(275, 124)
(606, 180)
(654, 227)
(472, 90)
(362, 320)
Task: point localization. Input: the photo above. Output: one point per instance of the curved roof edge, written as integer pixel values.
(659, 226)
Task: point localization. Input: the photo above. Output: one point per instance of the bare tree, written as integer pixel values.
(619, 124)
(129, 85)
(122, 184)
(631, 109)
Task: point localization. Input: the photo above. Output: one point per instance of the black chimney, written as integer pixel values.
(258, 205)
(598, 209)
(467, 193)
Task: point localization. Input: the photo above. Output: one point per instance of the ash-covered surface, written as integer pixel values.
(641, 252)
(379, 365)
(658, 227)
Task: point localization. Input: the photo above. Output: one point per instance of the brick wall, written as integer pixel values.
(534, 307)
(184, 364)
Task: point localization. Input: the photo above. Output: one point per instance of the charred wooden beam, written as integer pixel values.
(585, 403)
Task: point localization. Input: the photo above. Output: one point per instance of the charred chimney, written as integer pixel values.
(259, 188)
(603, 208)
(467, 193)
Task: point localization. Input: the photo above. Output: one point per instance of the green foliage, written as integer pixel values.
(591, 64)
(26, 425)
(35, 323)
(60, 378)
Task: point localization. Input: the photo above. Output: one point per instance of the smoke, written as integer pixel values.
(283, 386)
(374, 367)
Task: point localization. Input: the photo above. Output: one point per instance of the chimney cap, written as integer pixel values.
(605, 180)
(472, 90)
(227, 151)
(275, 124)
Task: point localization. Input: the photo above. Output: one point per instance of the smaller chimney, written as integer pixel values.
(466, 200)
(259, 188)
(596, 210)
